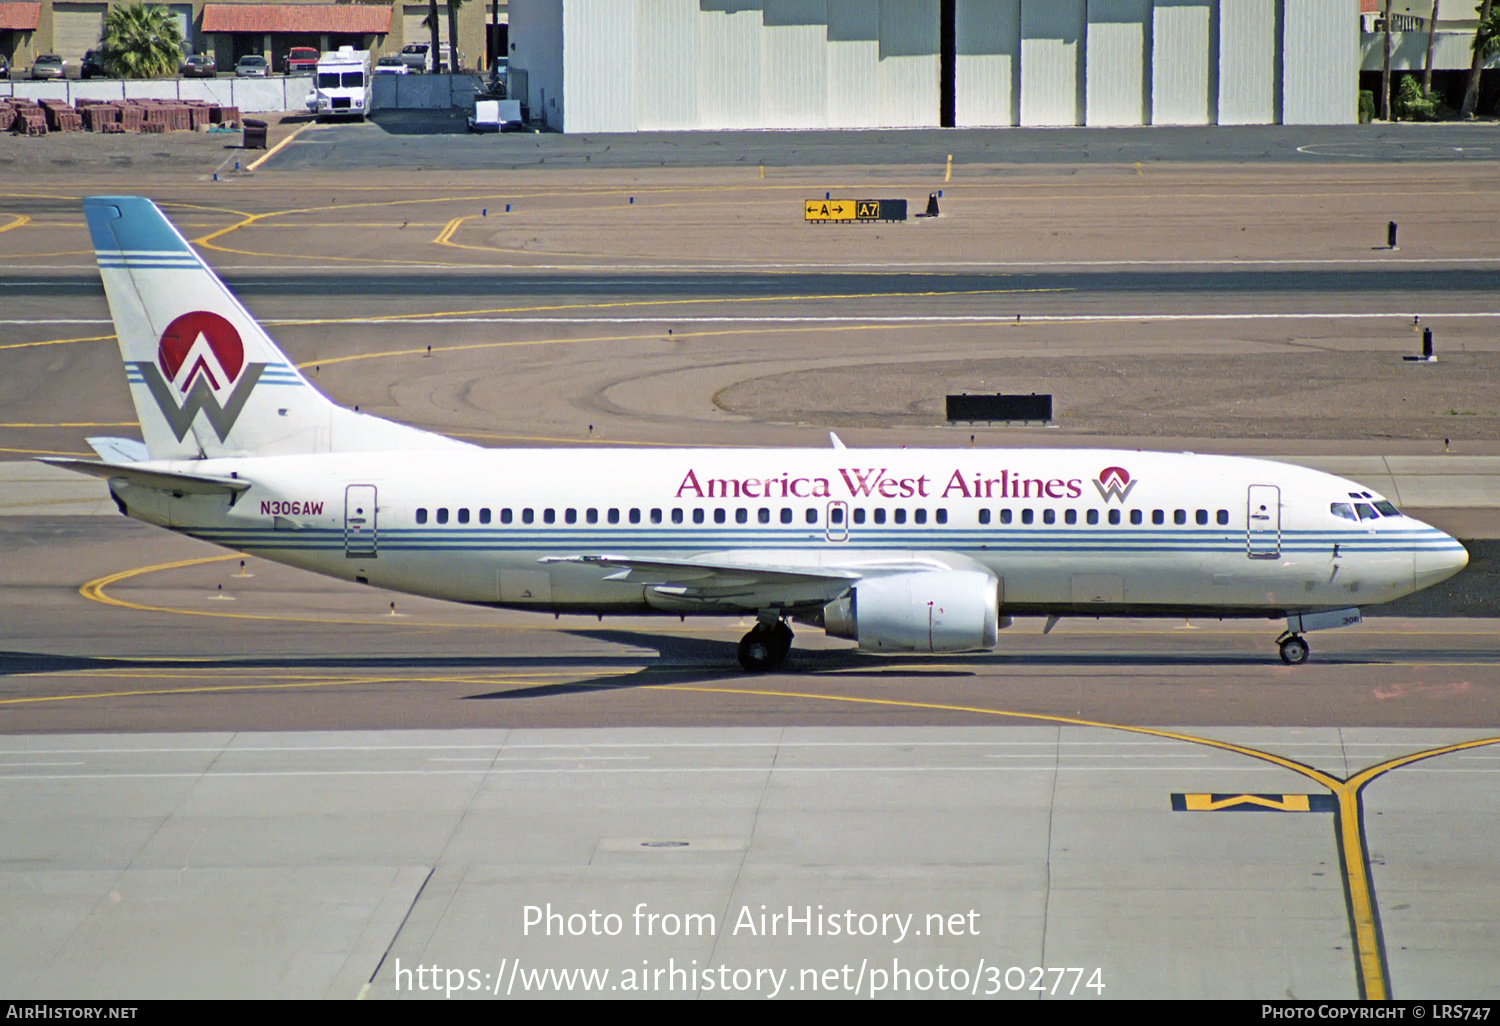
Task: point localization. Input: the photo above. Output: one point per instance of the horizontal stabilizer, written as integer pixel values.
(119, 450)
(162, 480)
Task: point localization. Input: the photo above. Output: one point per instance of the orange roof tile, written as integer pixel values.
(353, 19)
(20, 17)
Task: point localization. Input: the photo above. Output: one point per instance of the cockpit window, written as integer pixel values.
(1386, 509)
(1366, 511)
(1341, 509)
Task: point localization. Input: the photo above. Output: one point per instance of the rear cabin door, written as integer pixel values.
(1263, 524)
(359, 521)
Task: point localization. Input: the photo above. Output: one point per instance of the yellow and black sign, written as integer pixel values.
(1254, 803)
(854, 210)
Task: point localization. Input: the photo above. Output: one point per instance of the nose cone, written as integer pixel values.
(1437, 560)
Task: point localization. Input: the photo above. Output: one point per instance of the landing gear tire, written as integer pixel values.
(1294, 650)
(765, 648)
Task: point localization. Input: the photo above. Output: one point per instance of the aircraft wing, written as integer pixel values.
(701, 579)
(162, 480)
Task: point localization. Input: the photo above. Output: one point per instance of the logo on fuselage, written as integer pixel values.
(200, 357)
(1114, 483)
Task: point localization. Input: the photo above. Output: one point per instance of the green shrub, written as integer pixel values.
(1410, 105)
(1366, 106)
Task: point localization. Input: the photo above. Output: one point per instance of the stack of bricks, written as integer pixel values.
(132, 116)
(224, 116)
(61, 117)
(7, 115)
(30, 121)
(100, 117)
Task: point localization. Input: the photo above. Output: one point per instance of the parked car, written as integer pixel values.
(91, 67)
(199, 65)
(252, 66)
(414, 56)
(4, 67)
(391, 65)
(300, 60)
(48, 65)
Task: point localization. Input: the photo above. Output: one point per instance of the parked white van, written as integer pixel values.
(341, 85)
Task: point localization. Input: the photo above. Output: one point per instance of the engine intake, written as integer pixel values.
(929, 611)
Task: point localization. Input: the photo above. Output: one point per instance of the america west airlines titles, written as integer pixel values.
(879, 483)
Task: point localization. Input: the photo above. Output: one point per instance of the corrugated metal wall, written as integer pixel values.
(988, 72)
(599, 50)
(1320, 76)
(853, 63)
(666, 61)
(684, 64)
(1052, 47)
(1116, 79)
(794, 64)
(1183, 53)
(909, 64)
(1249, 62)
(729, 60)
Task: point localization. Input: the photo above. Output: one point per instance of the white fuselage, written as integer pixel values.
(1064, 531)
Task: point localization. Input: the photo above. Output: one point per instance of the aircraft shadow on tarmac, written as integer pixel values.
(702, 660)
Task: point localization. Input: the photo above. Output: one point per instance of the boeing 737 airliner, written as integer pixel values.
(899, 550)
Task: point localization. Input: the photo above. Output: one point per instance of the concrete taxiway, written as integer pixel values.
(244, 780)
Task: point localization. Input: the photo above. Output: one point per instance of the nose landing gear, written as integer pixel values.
(765, 647)
(1294, 649)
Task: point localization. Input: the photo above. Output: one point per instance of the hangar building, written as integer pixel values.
(638, 65)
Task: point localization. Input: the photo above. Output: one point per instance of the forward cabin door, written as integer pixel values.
(1263, 525)
(359, 521)
(836, 524)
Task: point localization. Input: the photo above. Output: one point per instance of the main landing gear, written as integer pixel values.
(1293, 649)
(766, 646)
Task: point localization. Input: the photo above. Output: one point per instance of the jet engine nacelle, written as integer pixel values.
(930, 611)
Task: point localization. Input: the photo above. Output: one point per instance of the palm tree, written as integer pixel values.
(140, 41)
(453, 6)
(1486, 43)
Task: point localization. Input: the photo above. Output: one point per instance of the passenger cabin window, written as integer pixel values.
(919, 516)
(836, 516)
(656, 516)
(742, 515)
(676, 516)
(1223, 518)
(484, 515)
(1158, 516)
(570, 516)
(1135, 516)
(859, 515)
(505, 515)
(786, 515)
(984, 516)
(1070, 516)
(941, 516)
(421, 515)
(812, 516)
(613, 516)
(1049, 516)
(527, 516)
(880, 515)
(591, 516)
(899, 516)
(635, 516)
(442, 514)
(1201, 517)
(1005, 516)
(763, 515)
(1179, 517)
(549, 515)
(463, 515)
(1026, 516)
(718, 516)
(1093, 516)
(697, 516)
(1114, 516)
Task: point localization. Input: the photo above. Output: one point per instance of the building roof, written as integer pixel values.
(20, 17)
(352, 19)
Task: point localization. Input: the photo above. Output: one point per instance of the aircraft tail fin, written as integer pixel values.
(205, 377)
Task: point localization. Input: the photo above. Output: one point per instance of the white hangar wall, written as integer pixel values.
(639, 65)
